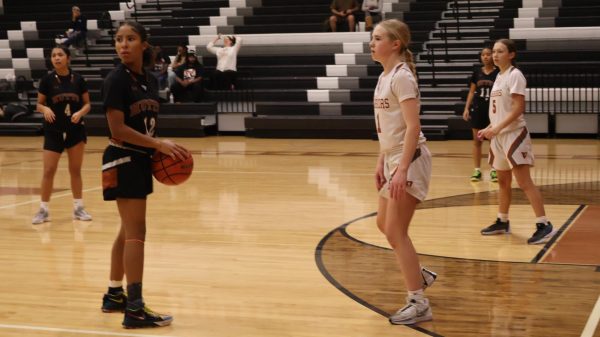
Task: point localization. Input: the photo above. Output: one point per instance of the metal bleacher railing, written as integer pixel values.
(563, 93)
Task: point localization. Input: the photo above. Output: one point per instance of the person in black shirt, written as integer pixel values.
(63, 99)
(477, 106)
(130, 100)
(77, 29)
(188, 85)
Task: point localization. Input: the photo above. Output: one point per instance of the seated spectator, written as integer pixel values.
(177, 62)
(343, 11)
(226, 72)
(161, 66)
(372, 10)
(77, 29)
(188, 80)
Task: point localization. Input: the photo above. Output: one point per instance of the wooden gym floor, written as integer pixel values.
(278, 238)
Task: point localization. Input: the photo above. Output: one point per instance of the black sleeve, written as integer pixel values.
(167, 59)
(114, 91)
(474, 77)
(44, 87)
(82, 85)
(199, 71)
(179, 71)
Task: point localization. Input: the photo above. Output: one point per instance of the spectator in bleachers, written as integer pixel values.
(63, 99)
(77, 29)
(477, 107)
(161, 66)
(372, 10)
(226, 72)
(178, 61)
(188, 83)
(343, 11)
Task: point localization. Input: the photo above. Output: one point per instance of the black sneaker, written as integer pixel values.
(542, 234)
(114, 303)
(497, 227)
(137, 315)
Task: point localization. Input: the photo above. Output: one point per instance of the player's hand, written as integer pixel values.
(49, 115)
(173, 150)
(487, 133)
(398, 184)
(379, 177)
(466, 115)
(76, 117)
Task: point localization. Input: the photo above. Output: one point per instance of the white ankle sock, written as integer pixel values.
(77, 203)
(115, 284)
(416, 294)
(44, 205)
(542, 219)
(503, 217)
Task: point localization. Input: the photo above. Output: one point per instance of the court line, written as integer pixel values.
(592, 323)
(58, 195)
(539, 257)
(75, 331)
(346, 291)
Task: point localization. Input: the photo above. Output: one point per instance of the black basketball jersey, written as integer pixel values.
(137, 97)
(63, 97)
(484, 83)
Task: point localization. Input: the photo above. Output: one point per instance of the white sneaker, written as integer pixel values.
(415, 310)
(428, 277)
(81, 214)
(40, 217)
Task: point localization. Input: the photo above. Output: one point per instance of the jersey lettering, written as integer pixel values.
(381, 103)
(150, 124)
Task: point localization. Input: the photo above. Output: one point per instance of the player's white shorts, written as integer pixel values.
(418, 175)
(510, 149)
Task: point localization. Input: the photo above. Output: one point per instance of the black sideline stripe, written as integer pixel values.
(548, 244)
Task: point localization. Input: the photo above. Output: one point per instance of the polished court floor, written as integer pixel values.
(278, 238)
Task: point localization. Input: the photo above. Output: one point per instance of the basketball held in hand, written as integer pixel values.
(171, 171)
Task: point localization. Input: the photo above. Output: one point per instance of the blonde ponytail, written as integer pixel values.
(409, 60)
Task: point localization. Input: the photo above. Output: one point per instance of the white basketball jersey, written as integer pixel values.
(510, 82)
(395, 87)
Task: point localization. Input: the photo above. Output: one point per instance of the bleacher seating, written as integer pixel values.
(291, 71)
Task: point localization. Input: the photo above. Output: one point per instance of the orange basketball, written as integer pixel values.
(171, 171)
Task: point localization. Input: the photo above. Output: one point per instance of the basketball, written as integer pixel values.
(171, 171)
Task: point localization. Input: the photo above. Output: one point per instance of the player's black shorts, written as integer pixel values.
(57, 141)
(126, 174)
(480, 118)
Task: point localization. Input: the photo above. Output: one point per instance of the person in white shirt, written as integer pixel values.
(372, 10)
(510, 147)
(403, 169)
(226, 72)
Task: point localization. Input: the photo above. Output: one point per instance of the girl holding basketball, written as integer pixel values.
(404, 165)
(511, 150)
(130, 100)
(477, 106)
(63, 99)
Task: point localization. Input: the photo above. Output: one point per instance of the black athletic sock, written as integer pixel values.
(134, 292)
(115, 290)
